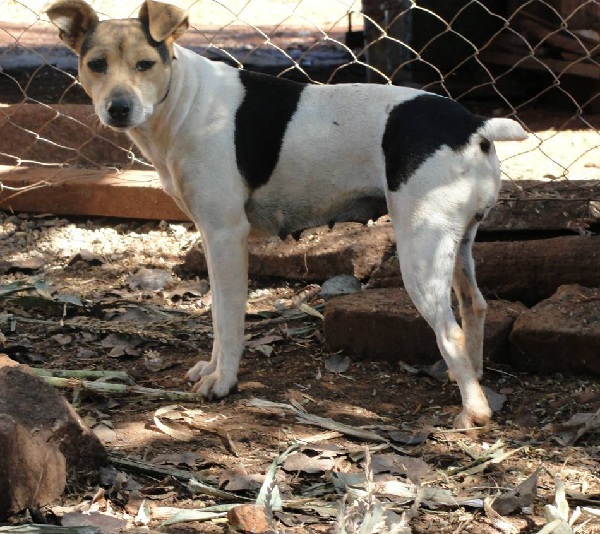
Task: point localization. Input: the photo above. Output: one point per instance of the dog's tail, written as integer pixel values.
(502, 130)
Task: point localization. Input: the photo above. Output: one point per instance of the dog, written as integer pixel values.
(240, 150)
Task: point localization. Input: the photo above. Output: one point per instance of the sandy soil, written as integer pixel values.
(94, 276)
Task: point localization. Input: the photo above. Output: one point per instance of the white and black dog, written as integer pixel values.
(238, 150)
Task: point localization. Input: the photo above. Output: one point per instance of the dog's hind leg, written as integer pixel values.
(427, 250)
(226, 252)
(471, 302)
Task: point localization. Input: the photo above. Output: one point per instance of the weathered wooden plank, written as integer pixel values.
(523, 206)
(544, 64)
(531, 205)
(93, 192)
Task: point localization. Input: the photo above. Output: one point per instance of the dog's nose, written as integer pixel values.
(119, 109)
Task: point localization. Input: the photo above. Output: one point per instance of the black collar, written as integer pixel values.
(168, 88)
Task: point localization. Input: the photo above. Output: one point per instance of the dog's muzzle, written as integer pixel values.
(119, 111)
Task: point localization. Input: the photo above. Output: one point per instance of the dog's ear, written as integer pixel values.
(166, 22)
(73, 18)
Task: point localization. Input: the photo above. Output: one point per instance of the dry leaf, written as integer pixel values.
(580, 424)
(184, 459)
(414, 468)
(495, 400)
(240, 480)
(150, 279)
(406, 438)
(337, 363)
(263, 340)
(520, 497)
(107, 524)
(305, 464)
(497, 520)
(104, 433)
(63, 339)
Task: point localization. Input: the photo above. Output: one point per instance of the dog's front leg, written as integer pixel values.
(226, 249)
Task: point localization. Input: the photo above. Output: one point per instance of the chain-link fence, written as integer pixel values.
(536, 61)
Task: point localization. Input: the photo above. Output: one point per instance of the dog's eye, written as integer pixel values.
(144, 65)
(97, 65)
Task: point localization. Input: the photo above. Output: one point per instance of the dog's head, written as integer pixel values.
(124, 65)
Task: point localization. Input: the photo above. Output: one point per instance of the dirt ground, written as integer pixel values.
(90, 281)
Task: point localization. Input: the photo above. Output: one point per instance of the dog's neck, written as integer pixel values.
(194, 101)
(156, 135)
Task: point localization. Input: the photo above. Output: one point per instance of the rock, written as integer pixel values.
(342, 284)
(560, 334)
(397, 331)
(6, 361)
(48, 416)
(249, 519)
(319, 254)
(499, 322)
(33, 472)
(525, 271)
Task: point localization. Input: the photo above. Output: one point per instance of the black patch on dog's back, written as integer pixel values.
(416, 129)
(260, 124)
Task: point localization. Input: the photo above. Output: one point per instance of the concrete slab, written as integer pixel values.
(383, 324)
(319, 254)
(527, 271)
(560, 334)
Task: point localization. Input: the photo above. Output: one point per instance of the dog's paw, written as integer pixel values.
(199, 370)
(472, 418)
(214, 386)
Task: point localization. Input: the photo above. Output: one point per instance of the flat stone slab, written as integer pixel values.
(318, 255)
(383, 324)
(32, 471)
(527, 271)
(560, 334)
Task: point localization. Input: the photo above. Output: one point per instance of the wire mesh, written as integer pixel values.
(536, 61)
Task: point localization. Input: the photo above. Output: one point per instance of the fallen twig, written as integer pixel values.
(49, 529)
(590, 425)
(195, 481)
(269, 492)
(323, 422)
(107, 388)
(172, 516)
(494, 455)
(76, 373)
